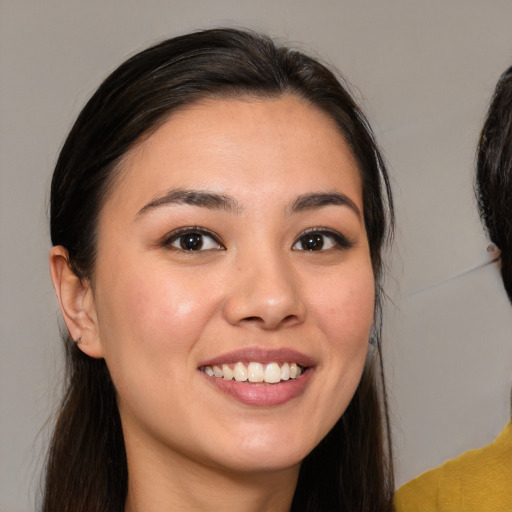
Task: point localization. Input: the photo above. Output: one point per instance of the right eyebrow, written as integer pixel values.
(202, 198)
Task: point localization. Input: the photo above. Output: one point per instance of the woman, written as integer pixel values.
(481, 479)
(217, 217)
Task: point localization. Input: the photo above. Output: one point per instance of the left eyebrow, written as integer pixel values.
(314, 201)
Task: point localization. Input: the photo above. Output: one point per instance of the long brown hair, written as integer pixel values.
(86, 469)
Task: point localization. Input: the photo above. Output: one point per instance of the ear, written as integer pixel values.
(76, 302)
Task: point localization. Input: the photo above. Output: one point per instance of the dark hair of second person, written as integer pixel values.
(493, 182)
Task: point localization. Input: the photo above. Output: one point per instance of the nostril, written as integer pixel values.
(253, 319)
(288, 319)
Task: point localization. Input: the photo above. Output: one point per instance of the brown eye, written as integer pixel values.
(192, 240)
(313, 242)
(321, 240)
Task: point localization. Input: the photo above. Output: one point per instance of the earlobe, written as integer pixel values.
(76, 303)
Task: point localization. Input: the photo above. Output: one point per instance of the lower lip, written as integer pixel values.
(262, 395)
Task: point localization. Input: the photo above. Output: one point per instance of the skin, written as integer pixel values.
(155, 312)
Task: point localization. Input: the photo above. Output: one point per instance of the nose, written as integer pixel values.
(266, 293)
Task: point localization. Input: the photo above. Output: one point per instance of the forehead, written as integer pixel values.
(257, 143)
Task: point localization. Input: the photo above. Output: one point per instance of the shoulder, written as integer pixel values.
(478, 480)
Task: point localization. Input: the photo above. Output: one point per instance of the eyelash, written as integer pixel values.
(340, 242)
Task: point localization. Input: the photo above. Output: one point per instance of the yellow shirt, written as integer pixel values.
(477, 481)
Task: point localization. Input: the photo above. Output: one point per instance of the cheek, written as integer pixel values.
(152, 325)
(171, 311)
(153, 313)
(345, 309)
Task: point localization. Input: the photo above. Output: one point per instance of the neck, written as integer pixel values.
(155, 485)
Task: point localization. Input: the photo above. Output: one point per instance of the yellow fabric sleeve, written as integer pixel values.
(477, 481)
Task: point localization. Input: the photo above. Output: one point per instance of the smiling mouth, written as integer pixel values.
(253, 372)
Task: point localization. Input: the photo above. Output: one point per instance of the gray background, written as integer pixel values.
(424, 72)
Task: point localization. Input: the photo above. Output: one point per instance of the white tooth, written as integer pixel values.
(294, 371)
(217, 371)
(255, 372)
(272, 373)
(208, 370)
(285, 371)
(227, 371)
(299, 371)
(240, 372)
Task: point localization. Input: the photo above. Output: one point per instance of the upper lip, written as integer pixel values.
(259, 355)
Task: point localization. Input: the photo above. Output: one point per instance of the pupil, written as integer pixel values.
(312, 242)
(191, 242)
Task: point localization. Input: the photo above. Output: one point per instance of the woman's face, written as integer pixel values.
(232, 246)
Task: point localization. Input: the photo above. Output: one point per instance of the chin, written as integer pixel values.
(245, 464)
(276, 454)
